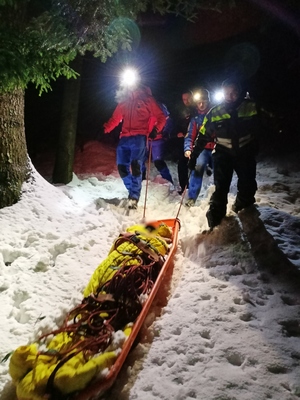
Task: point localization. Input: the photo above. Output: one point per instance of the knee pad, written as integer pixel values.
(122, 170)
(159, 164)
(135, 168)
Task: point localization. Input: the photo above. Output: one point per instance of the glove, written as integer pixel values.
(192, 161)
(153, 133)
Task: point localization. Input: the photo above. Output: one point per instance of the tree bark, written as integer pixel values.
(14, 166)
(63, 167)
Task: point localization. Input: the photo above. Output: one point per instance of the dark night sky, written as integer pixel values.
(259, 43)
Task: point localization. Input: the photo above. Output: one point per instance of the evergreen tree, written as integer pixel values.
(38, 41)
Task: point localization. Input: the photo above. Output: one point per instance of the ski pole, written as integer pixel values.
(147, 178)
(183, 194)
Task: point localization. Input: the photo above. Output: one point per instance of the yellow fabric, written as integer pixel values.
(31, 370)
(33, 385)
(107, 269)
(127, 330)
(22, 360)
(164, 231)
(59, 341)
(76, 373)
(118, 257)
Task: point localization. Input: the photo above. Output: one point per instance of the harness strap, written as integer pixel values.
(142, 245)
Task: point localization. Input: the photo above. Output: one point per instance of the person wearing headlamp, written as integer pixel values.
(234, 125)
(135, 110)
(204, 159)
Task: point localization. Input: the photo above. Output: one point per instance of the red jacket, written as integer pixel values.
(136, 112)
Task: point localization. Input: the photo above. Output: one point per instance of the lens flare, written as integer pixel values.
(196, 96)
(219, 96)
(129, 77)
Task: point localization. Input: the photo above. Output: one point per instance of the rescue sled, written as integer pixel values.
(70, 367)
(98, 388)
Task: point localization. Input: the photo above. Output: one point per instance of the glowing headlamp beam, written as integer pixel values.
(129, 77)
(219, 96)
(196, 96)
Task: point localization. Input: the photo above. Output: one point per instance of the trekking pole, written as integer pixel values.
(147, 178)
(183, 194)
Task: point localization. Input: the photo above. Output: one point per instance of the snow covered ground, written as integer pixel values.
(226, 323)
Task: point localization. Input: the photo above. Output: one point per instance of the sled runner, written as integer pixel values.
(81, 360)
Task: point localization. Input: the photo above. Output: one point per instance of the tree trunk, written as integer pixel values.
(63, 168)
(14, 166)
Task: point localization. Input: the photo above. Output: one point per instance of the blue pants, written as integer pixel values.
(130, 157)
(157, 153)
(195, 184)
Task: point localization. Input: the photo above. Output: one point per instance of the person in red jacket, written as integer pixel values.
(135, 111)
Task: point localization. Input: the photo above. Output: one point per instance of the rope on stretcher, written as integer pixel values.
(116, 303)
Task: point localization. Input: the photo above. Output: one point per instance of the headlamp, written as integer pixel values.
(129, 77)
(219, 96)
(196, 96)
(201, 95)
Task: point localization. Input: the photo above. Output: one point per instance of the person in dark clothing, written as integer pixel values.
(183, 120)
(204, 160)
(157, 142)
(135, 110)
(234, 126)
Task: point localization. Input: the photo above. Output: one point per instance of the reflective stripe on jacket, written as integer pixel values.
(231, 129)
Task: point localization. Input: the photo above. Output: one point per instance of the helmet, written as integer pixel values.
(201, 95)
(232, 82)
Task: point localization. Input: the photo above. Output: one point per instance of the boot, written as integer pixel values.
(132, 204)
(212, 221)
(190, 203)
(239, 205)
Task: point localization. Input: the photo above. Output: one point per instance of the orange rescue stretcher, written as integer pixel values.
(23, 365)
(98, 388)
